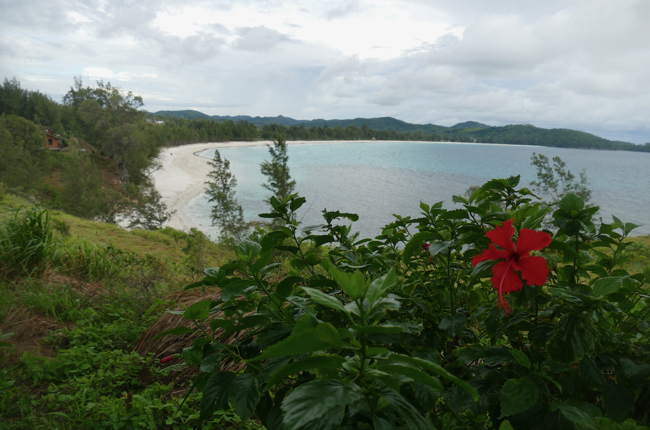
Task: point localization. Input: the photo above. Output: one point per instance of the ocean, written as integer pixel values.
(378, 179)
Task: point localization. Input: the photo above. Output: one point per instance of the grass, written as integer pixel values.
(81, 355)
(70, 362)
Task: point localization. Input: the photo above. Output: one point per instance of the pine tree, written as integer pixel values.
(277, 171)
(226, 212)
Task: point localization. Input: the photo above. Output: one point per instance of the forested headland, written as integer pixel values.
(108, 143)
(388, 128)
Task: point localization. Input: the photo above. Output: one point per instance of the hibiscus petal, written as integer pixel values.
(504, 279)
(502, 236)
(533, 269)
(531, 240)
(492, 253)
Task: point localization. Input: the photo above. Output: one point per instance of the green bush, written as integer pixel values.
(81, 258)
(26, 243)
(442, 321)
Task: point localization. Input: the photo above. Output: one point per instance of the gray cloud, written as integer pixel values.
(345, 9)
(219, 29)
(258, 39)
(572, 63)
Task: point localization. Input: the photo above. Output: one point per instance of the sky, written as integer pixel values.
(579, 64)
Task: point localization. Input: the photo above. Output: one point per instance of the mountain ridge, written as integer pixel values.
(517, 134)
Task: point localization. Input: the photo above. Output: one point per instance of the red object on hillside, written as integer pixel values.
(53, 142)
(516, 258)
(166, 359)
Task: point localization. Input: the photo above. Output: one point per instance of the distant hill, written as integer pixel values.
(469, 125)
(385, 123)
(556, 137)
(187, 114)
(464, 131)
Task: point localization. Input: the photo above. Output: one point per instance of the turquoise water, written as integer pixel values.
(379, 179)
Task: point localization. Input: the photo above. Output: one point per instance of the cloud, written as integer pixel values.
(219, 29)
(559, 63)
(343, 10)
(258, 39)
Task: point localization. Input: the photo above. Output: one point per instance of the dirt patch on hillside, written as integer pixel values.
(170, 345)
(29, 331)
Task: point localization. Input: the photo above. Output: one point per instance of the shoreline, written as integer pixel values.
(181, 178)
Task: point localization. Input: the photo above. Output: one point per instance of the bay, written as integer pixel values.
(379, 179)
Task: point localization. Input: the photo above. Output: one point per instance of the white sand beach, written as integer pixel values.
(183, 175)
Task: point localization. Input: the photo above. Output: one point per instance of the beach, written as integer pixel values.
(183, 173)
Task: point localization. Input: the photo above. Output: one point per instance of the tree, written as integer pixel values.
(151, 213)
(555, 181)
(83, 195)
(277, 171)
(23, 162)
(226, 212)
(111, 120)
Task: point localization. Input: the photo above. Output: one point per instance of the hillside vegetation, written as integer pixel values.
(504, 313)
(73, 314)
(388, 128)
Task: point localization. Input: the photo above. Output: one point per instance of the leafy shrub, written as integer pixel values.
(430, 325)
(61, 226)
(26, 243)
(81, 258)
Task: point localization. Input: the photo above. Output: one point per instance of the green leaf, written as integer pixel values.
(605, 286)
(315, 399)
(517, 396)
(453, 326)
(353, 284)
(305, 337)
(413, 418)
(220, 323)
(314, 362)
(631, 369)
(175, 332)
(570, 202)
(379, 286)
(589, 373)
(505, 425)
(381, 424)
(296, 203)
(577, 416)
(234, 289)
(541, 333)
(425, 395)
(437, 247)
(437, 369)
(482, 270)
(263, 261)
(285, 287)
(325, 299)
(270, 215)
(215, 394)
(208, 281)
(571, 343)
(380, 329)
(193, 355)
(244, 393)
(211, 363)
(198, 311)
(415, 244)
(413, 373)
(618, 401)
(521, 357)
(247, 250)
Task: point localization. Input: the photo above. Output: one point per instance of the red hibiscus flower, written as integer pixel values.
(516, 258)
